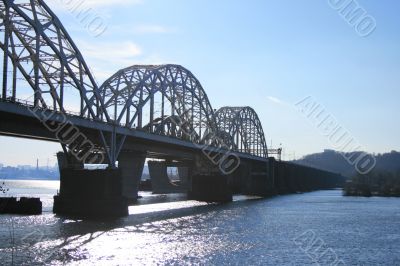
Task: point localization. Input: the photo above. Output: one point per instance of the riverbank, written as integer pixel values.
(380, 184)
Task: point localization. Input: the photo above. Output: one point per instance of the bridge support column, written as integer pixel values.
(210, 188)
(87, 193)
(271, 169)
(259, 186)
(68, 161)
(160, 181)
(131, 166)
(258, 179)
(184, 173)
(280, 177)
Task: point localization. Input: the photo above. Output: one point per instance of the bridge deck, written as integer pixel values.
(15, 113)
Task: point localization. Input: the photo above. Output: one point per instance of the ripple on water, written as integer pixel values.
(358, 230)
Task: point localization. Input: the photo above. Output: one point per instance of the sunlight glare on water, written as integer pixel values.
(256, 232)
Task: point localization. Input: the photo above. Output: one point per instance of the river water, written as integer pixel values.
(321, 227)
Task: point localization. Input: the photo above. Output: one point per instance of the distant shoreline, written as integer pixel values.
(28, 179)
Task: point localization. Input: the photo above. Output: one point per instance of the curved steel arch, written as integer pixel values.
(158, 91)
(39, 50)
(244, 126)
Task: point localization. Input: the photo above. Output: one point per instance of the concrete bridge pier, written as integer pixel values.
(208, 184)
(272, 180)
(88, 193)
(210, 188)
(68, 161)
(185, 177)
(161, 183)
(281, 179)
(130, 164)
(236, 182)
(258, 179)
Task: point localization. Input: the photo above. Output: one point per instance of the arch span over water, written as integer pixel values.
(41, 59)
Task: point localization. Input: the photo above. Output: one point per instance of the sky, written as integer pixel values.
(267, 54)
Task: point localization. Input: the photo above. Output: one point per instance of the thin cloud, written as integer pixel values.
(105, 58)
(103, 70)
(111, 52)
(275, 100)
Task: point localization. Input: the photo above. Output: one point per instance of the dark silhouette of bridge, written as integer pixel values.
(143, 111)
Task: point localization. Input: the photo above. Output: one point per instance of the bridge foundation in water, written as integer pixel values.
(210, 188)
(185, 176)
(131, 166)
(160, 181)
(253, 179)
(90, 193)
(98, 193)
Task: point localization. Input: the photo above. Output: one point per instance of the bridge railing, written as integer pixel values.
(31, 104)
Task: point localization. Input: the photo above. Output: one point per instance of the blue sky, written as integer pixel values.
(264, 54)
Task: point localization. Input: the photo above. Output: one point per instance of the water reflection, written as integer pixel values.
(361, 231)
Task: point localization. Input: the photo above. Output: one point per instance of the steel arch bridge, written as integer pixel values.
(41, 59)
(137, 95)
(244, 126)
(39, 51)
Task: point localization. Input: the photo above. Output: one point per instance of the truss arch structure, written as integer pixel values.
(244, 126)
(39, 54)
(42, 64)
(138, 97)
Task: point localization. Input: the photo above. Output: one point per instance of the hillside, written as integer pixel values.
(335, 161)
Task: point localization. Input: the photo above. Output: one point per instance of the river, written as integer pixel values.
(321, 227)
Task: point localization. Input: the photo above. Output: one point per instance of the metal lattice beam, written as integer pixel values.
(137, 95)
(243, 124)
(40, 59)
(38, 52)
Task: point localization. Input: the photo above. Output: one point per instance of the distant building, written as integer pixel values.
(24, 167)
